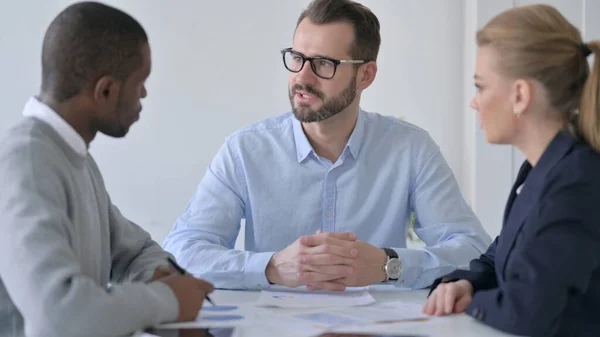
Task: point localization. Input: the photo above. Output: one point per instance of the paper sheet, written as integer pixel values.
(237, 316)
(388, 313)
(317, 299)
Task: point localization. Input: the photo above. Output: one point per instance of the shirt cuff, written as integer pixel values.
(169, 304)
(146, 275)
(255, 272)
(412, 268)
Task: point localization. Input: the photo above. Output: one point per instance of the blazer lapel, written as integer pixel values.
(519, 206)
(521, 176)
(516, 218)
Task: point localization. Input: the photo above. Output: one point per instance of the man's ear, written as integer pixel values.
(106, 90)
(521, 96)
(367, 75)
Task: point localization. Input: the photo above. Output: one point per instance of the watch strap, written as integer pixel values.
(390, 253)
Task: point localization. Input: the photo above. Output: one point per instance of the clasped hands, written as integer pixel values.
(327, 261)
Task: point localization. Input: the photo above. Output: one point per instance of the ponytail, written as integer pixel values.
(589, 111)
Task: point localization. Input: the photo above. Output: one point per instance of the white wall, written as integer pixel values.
(217, 67)
(492, 175)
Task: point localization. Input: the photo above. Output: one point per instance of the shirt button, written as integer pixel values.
(328, 213)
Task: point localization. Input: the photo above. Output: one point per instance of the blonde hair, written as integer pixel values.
(537, 42)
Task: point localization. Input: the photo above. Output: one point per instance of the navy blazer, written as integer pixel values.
(541, 276)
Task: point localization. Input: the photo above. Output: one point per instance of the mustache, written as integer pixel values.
(308, 89)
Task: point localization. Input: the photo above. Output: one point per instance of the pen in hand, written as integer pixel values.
(183, 272)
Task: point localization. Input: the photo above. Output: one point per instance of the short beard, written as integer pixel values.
(331, 106)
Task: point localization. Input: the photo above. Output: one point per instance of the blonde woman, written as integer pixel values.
(535, 91)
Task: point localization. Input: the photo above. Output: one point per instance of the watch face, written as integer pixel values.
(394, 267)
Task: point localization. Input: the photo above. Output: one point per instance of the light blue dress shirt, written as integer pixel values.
(269, 175)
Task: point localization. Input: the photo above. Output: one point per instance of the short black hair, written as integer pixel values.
(367, 38)
(86, 41)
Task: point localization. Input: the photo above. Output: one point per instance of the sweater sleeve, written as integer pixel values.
(135, 256)
(39, 267)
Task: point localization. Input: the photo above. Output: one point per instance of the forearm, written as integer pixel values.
(481, 274)
(144, 265)
(135, 255)
(50, 289)
(95, 312)
(224, 267)
(421, 267)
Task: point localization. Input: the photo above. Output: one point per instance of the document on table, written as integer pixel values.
(317, 299)
(218, 317)
(382, 313)
(251, 320)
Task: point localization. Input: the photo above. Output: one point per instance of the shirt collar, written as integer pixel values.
(356, 138)
(303, 147)
(35, 108)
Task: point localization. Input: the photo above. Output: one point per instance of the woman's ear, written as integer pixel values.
(521, 96)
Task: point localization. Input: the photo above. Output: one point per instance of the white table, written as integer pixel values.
(455, 325)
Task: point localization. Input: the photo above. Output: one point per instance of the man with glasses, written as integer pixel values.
(328, 190)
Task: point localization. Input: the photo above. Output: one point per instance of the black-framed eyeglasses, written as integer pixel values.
(324, 67)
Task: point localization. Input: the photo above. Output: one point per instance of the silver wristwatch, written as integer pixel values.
(393, 266)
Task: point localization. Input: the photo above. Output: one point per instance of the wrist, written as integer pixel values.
(271, 271)
(466, 285)
(383, 258)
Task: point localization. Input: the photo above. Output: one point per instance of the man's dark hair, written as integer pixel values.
(366, 25)
(86, 41)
